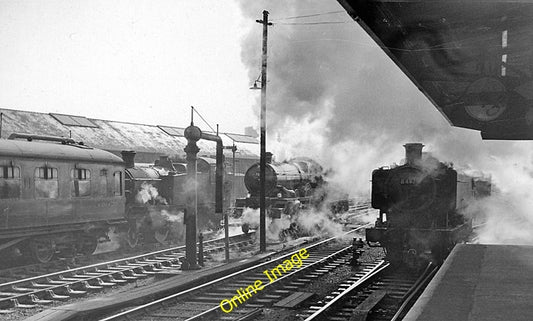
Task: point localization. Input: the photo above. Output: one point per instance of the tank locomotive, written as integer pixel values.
(155, 197)
(420, 208)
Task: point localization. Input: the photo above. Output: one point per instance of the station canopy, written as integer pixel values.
(473, 59)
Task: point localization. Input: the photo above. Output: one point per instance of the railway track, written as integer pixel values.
(15, 268)
(41, 289)
(205, 302)
(377, 292)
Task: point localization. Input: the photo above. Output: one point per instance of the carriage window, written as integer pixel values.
(9, 182)
(81, 182)
(101, 189)
(46, 182)
(117, 177)
(7, 172)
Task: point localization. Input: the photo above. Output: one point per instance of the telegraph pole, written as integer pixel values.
(262, 162)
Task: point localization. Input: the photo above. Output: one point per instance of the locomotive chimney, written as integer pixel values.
(413, 152)
(165, 162)
(268, 157)
(128, 156)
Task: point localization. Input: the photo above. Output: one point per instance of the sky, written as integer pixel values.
(134, 61)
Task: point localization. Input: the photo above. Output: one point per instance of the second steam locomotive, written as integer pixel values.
(421, 207)
(289, 186)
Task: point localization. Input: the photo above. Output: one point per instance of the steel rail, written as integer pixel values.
(382, 265)
(279, 279)
(224, 278)
(132, 268)
(96, 265)
(428, 274)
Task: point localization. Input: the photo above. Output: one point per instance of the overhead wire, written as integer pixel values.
(274, 21)
(309, 15)
(197, 113)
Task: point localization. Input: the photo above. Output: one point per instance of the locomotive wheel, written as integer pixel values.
(87, 245)
(42, 250)
(161, 235)
(132, 237)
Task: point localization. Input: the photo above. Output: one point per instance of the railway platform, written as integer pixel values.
(92, 309)
(480, 283)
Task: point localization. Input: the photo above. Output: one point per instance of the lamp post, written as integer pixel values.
(262, 163)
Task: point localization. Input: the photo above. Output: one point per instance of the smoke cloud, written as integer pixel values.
(332, 93)
(149, 193)
(335, 96)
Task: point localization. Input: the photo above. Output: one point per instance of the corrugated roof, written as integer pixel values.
(173, 131)
(238, 138)
(69, 120)
(113, 136)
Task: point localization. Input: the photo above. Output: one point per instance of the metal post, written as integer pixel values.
(262, 163)
(201, 249)
(226, 236)
(233, 150)
(226, 218)
(193, 134)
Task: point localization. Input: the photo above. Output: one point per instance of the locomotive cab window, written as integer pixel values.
(9, 182)
(117, 188)
(46, 182)
(81, 182)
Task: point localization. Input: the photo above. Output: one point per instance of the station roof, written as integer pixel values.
(472, 59)
(148, 141)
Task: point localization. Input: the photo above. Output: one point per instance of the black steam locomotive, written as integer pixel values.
(289, 187)
(60, 196)
(155, 197)
(420, 206)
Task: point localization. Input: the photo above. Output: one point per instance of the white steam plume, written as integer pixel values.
(149, 194)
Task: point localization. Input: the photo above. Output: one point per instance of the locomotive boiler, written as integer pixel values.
(420, 207)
